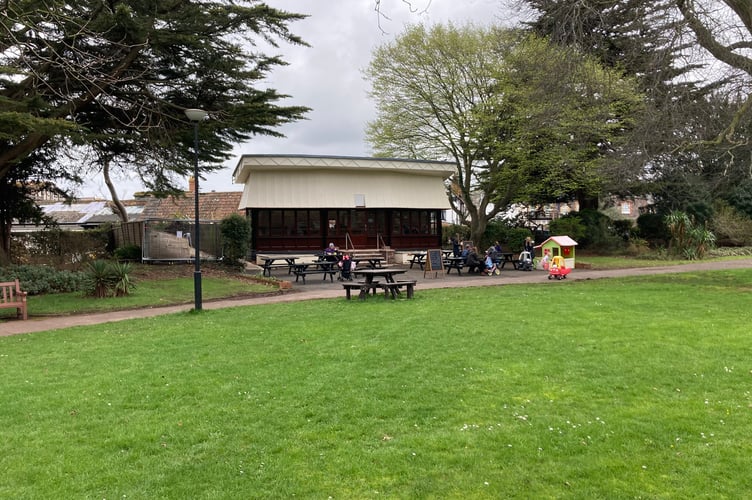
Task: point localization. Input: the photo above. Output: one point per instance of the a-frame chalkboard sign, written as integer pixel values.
(434, 263)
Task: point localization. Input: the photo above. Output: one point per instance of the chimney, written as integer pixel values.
(191, 184)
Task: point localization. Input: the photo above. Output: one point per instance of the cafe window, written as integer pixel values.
(301, 222)
(397, 227)
(262, 223)
(275, 223)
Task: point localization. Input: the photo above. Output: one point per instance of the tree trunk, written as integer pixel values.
(119, 207)
(5, 243)
(477, 230)
(587, 202)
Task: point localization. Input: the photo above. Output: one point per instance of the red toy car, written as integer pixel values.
(557, 268)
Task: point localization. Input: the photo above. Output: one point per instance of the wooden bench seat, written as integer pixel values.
(302, 273)
(267, 268)
(393, 289)
(390, 289)
(362, 287)
(11, 297)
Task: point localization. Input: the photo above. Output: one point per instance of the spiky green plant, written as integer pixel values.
(122, 283)
(99, 279)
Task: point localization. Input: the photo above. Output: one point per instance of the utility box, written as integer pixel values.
(559, 245)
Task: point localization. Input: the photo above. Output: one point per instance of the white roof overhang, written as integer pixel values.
(341, 182)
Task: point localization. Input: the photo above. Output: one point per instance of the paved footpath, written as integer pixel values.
(327, 290)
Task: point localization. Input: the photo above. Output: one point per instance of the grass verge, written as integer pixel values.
(617, 388)
(148, 293)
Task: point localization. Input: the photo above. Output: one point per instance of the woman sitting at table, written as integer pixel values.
(473, 262)
(330, 252)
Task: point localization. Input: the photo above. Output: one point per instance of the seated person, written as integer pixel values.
(464, 253)
(473, 262)
(490, 265)
(330, 252)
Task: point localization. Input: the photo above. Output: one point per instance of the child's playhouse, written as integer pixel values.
(558, 245)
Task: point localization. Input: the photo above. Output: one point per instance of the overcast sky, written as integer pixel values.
(327, 76)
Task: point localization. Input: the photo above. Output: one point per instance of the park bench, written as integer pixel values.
(11, 297)
(393, 289)
(362, 287)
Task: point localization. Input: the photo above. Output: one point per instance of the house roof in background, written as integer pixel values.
(212, 206)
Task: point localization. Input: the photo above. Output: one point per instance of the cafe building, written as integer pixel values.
(302, 203)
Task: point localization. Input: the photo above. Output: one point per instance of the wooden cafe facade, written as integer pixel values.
(302, 203)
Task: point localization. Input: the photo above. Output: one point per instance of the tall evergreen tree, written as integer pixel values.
(117, 75)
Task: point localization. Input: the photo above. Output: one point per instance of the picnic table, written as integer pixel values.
(420, 258)
(271, 262)
(505, 257)
(324, 267)
(417, 258)
(373, 262)
(390, 286)
(456, 263)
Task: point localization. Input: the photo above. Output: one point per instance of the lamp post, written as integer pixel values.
(196, 115)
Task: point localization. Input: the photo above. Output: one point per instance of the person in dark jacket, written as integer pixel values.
(529, 246)
(473, 262)
(456, 247)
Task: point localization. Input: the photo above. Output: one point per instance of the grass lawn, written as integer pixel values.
(163, 290)
(616, 388)
(623, 262)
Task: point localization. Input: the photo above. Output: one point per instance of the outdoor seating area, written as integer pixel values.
(457, 264)
(371, 275)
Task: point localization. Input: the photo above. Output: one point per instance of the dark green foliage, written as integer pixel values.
(689, 238)
(17, 191)
(109, 81)
(623, 228)
(695, 133)
(54, 246)
(451, 230)
(99, 279)
(569, 225)
(42, 279)
(741, 197)
(600, 231)
(106, 279)
(511, 238)
(141, 64)
(128, 252)
(486, 99)
(122, 283)
(236, 237)
(731, 226)
(652, 229)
